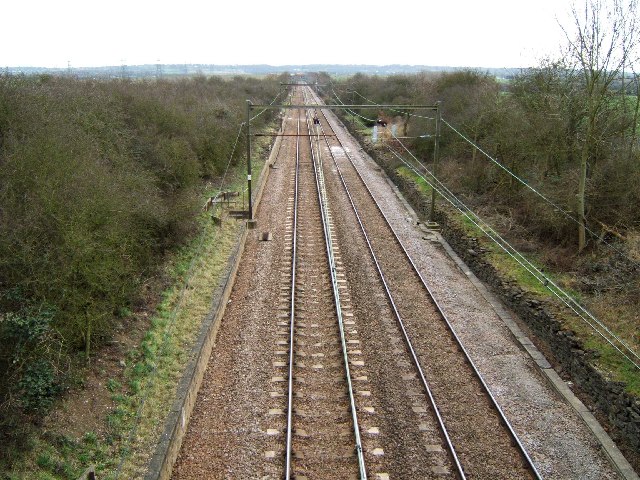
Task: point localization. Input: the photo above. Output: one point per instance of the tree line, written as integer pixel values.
(99, 180)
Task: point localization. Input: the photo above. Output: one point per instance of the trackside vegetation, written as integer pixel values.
(101, 182)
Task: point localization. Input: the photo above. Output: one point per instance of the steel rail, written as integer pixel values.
(444, 317)
(341, 106)
(323, 201)
(290, 135)
(292, 309)
(450, 448)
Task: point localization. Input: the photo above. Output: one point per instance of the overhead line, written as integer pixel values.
(523, 182)
(538, 193)
(266, 107)
(562, 295)
(393, 109)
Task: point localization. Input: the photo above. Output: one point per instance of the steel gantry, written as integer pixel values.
(262, 107)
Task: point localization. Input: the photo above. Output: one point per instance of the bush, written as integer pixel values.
(38, 387)
(98, 181)
(533, 126)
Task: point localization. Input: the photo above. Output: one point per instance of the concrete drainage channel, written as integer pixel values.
(177, 421)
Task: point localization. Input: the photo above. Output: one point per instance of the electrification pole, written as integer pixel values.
(249, 159)
(353, 114)
(290, 106)
(436, 153)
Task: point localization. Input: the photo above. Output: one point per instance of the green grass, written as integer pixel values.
(613, 365)
(360, 126)
(508, 266)
(421, 183)
(59, 456)
(167, 345)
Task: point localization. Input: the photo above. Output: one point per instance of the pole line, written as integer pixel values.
(436, 154)
(249, 158)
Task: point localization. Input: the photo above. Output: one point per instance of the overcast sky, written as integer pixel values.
(472, 33)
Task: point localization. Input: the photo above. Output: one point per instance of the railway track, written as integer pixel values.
(477, 437)
(345, 367)
(322, 432)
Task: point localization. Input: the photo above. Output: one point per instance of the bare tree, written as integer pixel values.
(602, 43)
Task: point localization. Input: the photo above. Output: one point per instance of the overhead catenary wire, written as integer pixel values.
(235, 144)
(537, 192)
(265, 109)
(494, 236)
(352, 112)
(562, 295)
(600, 328)
(226, 170)
(233, 151)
